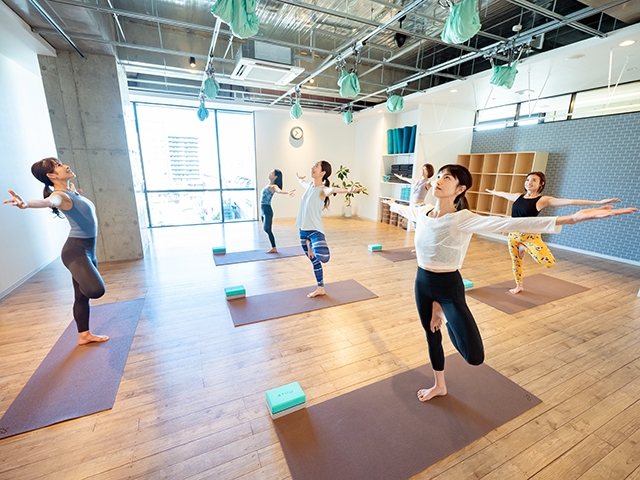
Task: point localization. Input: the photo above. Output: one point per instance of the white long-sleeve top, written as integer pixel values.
(441, 243)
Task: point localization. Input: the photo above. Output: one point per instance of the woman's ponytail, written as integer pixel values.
(326, 168)
(40, 170)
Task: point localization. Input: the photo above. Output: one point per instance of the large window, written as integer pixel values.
(197, 172)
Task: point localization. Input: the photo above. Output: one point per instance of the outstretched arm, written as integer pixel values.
(17, 201)
(404, 179)
(563, 202)
(301, 179)
(331, 190)
(594, 214)
(512, 197)
(277, 189)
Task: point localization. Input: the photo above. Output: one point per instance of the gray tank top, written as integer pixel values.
(81, 216)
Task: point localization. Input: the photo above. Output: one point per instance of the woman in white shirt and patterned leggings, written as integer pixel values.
(309, 221)
(442, 237)
(79, 251)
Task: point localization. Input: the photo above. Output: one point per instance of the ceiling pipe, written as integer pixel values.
(556, 16)
(53, 23)
(356, 46)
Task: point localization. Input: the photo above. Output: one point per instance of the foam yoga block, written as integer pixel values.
(286, 399)
(235, 292)
(467, 283)
(219, 250)
(374, 247)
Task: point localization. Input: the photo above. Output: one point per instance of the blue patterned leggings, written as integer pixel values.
(319, 250)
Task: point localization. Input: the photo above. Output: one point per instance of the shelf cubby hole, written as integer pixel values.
(475, 163)
(464, 160)
(517, 185)
(509, 205)
(503, 183)
(490, 164)
(472, 198)
(524, 163)
(499, 206)
(484, 203)
(476, 181)
(487, 181)
(507, 162)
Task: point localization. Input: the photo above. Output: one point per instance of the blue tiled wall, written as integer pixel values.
(591, 158)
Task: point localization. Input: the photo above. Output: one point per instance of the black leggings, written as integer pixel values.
(79, 256)
(448, 290)
(267, 219)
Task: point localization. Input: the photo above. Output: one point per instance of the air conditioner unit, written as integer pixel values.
(265, 63)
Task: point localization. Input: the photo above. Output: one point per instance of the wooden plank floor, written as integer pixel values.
(191, 402)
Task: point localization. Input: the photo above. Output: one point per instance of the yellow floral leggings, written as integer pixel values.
(536, 248)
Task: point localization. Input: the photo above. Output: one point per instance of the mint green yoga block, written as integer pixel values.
(235, 292)
(374, 247)
(467, 283)
(219, 250)
(285, 397)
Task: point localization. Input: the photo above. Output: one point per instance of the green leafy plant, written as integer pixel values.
(343, 176)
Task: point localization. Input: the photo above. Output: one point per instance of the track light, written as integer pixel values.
(192, 62)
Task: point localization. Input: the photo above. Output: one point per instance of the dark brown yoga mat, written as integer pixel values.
(397, 254)
(382, 431)
(257, 308)
(538, 290)
(257, 255)
(73, 381)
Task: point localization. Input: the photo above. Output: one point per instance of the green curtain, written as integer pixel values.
(347, 117)
(504, 75)
(296, 110)
(349, 84)
(395, 103)
(463, 22)
(240, 15)
(211, 88)
(203, 113)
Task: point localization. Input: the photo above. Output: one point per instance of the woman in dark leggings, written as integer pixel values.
(79, 251)
(275, 186)
(443, 233)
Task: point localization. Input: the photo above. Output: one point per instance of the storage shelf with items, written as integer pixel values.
(390, 185)
(505, 172)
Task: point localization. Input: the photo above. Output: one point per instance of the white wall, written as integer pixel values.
(29, 239)
(326, 137)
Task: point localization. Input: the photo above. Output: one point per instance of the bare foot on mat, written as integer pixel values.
(426, 394)
(87, 337)
(317, 293)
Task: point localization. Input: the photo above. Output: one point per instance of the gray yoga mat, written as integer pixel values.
(73, 381)
(538, 290)
(382, 431)
(257, 255)
(256, 308)
(397, 254)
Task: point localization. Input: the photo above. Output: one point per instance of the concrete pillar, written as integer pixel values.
(86, 110)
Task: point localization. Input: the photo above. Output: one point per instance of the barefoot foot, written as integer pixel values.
(273, 250)
(521, 250)
(317, 293)
(426, 394)
(309, 251)
(518, 289)
(88, 337)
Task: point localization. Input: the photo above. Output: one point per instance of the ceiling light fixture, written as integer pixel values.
(626, 43)
(192, 62)
(576, 56)
(454, 90)
(312, 80)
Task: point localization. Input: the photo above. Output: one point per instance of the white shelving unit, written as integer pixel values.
(392, 189)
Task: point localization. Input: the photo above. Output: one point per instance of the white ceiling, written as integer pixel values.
(576, 67)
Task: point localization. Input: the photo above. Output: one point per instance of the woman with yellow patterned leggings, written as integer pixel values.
(529, 205)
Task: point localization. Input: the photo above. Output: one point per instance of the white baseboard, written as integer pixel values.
(26, 277)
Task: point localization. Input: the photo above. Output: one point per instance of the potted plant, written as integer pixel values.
(343, 176)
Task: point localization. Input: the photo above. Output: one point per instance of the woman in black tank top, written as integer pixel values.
(529, 204)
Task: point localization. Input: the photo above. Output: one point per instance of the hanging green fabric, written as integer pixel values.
(203, 113)
(347, 117)
(395, 103)
(239, 14)
(504, 75)
(349, 84)
(463, 22)
(211, 88)
(296, 110)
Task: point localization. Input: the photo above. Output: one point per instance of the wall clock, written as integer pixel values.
(296, 133)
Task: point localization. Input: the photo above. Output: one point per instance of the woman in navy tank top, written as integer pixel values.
(274, 186)
(79, 251)
(529, 204)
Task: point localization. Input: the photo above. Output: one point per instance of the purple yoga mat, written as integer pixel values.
(257, 255)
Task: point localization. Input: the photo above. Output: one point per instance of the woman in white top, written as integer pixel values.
(309, 221)
(442, 236)
(419, 186)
